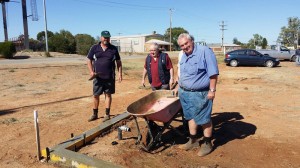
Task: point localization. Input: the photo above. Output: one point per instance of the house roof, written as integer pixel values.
(159, 42)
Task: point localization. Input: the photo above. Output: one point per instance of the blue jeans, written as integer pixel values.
(196, 106)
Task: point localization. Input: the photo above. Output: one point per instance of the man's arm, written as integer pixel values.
(90, 67)
(144, 76)
(212, 87)
(171, 77)
(119, 67)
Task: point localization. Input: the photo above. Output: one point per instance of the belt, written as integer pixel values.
(194, 90)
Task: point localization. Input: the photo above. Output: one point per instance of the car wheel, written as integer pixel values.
(269, 63)
(233, 63)
(293, 59)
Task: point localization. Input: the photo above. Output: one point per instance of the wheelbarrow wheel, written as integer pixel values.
(147, 139)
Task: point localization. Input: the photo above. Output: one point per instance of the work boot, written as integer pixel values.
(94, 116)
(192, 143)
(205, 148)
(105, 118)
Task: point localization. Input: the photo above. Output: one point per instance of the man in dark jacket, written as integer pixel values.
(159, 68)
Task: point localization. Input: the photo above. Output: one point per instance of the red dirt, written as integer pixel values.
(256, 117)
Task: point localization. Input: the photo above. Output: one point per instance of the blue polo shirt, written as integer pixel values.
(104, 61)
(196, 68)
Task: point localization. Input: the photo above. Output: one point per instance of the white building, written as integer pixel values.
(138, 43)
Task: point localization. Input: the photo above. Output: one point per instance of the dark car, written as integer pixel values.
(249, 57)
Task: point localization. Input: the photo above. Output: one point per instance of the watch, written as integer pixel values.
(212, 90)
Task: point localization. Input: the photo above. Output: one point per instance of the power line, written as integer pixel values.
(121, 5)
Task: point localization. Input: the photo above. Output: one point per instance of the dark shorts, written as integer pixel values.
(196, 106)
(103, 85)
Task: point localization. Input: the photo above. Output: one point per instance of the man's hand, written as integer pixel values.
(211, 95)
(92, 75)
(120, 78)
(171, 83)
(143, 82)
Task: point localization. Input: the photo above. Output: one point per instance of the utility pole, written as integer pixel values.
(171, 10)
(25, 24)
(4, 20)
(119, 45)
(222, 29)
(46, 34)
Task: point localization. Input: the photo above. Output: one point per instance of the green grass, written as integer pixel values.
(135, 64)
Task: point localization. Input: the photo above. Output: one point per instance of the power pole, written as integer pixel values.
(171, 10)
(119, 45)
(25, 24)
(222, 29)
(4, 20)
(46, 29)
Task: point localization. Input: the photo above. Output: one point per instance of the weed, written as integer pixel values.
(20, 85)
(9, 120)
(47, 54)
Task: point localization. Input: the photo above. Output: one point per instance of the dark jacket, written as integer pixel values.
(164, 73)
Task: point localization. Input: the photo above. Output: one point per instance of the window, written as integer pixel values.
(252, 53)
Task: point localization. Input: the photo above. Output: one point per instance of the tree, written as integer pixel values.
(41, 35)
(257, 40)
(176, 31)
(71, 42)
(83, 43)
(237, 42)
(63, 42)
(264, 43)
(36, 45)
(288, 35)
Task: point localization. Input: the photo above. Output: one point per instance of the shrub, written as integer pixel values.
(7, 49)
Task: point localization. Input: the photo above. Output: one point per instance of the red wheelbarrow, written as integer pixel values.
(159, 106)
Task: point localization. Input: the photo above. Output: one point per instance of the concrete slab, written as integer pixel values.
(65, 152)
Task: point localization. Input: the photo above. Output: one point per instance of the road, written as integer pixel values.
(51, 60)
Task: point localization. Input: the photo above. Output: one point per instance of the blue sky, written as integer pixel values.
(202, 18)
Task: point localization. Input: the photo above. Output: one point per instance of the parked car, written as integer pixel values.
(280, 52)
(249, 57)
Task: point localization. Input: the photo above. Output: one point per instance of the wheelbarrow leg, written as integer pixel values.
(139, 132)
(153, 128)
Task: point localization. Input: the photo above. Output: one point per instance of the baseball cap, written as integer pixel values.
(105, 33)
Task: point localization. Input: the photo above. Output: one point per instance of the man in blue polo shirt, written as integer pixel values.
(197, 86)
(102, 60)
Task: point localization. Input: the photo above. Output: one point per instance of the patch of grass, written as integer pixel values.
(47, 54)
(53, 114)
(220, 57)
(12, 70)
(9, 121)
(132, 65)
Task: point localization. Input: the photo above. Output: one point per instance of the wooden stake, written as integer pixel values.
(37, 134)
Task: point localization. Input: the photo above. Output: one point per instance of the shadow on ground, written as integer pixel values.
(227, 127)
(21, 57)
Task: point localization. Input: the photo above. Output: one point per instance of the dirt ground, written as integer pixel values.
(256, 116)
